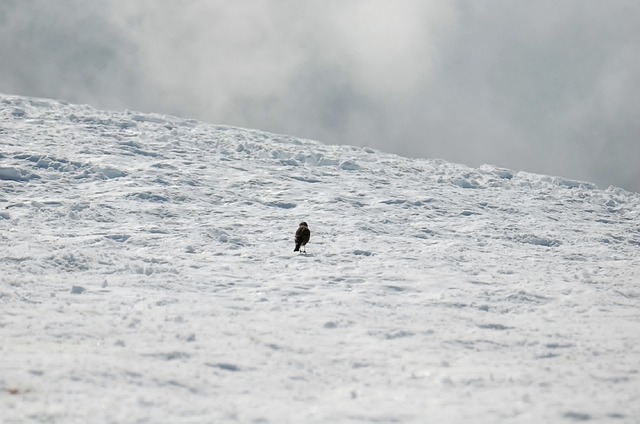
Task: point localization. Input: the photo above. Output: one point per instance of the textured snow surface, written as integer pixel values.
(147, 275)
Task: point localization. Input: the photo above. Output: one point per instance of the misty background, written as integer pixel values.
(551, 86)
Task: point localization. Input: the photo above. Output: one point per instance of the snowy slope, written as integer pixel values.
(147, 274)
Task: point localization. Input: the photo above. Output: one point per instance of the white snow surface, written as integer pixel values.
(147, 275)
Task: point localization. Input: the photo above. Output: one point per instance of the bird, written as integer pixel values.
(302, 237)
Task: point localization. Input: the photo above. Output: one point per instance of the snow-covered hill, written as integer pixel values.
(147, 274)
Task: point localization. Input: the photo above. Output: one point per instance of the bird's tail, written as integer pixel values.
(297, 247)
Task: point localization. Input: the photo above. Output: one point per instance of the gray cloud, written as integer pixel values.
(543, 86)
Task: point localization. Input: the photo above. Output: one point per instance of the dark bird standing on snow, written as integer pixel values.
(302, 237)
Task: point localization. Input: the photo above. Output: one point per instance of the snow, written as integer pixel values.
(147, 274)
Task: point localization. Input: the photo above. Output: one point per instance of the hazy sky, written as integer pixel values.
(546, 86)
